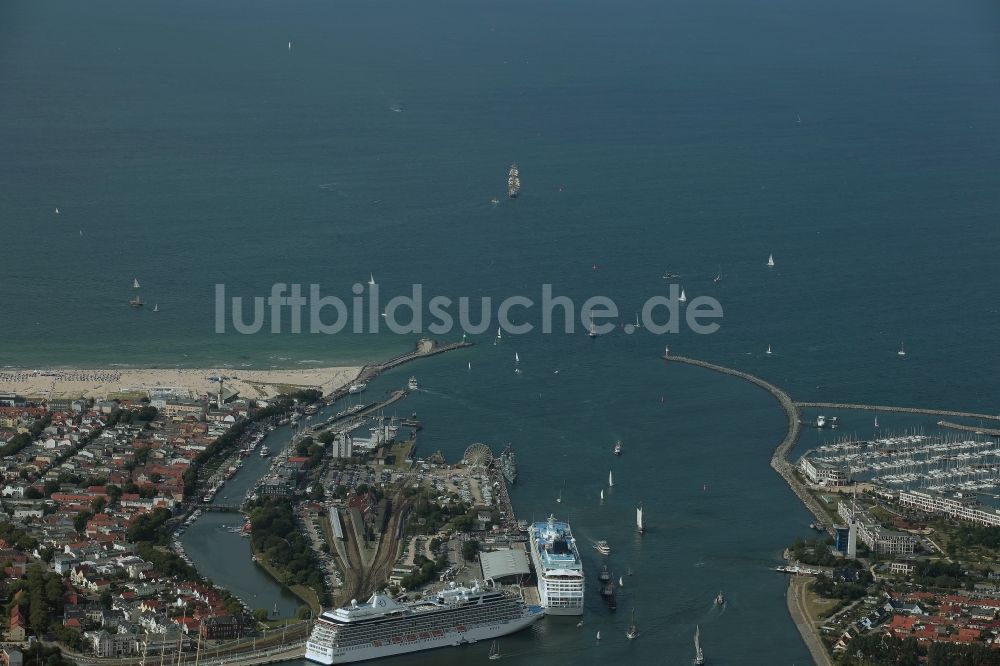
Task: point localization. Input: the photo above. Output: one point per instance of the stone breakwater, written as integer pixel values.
(779, 458)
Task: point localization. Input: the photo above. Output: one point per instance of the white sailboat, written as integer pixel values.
(768, 352)
(602, 494)
(517, 359)
(289, 46)
(57, 211)
(135, 283)
(633, 628)
(611, 480)
(371, 279)
(470, 366)
(876, 418)
(683, 298)
(498, 333)
(592, 332)
(598, 635)
(770, 261)
(640, 522)
(621, 581)
(559, 499)
(637, 324)
(699, 656)
(495, 651)
(156, 308)
(901, 352)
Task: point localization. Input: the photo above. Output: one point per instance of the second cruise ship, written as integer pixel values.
(558, 567)
(383, 627)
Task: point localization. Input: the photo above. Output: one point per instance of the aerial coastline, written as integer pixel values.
(105, 382)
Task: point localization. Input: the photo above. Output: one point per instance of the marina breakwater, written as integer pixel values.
(425, 347)
(901, 410)
(990, 432)
(779, 458)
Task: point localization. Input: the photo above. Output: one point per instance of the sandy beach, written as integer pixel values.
(102, 383)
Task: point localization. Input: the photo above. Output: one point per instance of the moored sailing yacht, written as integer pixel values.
(513, 181)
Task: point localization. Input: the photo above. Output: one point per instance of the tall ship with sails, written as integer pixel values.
(383, 627)
(508, 464)
(558, 566)
(513, 181)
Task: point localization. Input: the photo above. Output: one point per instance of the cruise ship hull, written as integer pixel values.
(451, 638)
(550, 610)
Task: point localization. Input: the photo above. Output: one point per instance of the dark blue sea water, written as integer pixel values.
(856, 141)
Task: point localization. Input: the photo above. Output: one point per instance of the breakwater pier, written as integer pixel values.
(899, 410)
(779, 458)
(425, 348)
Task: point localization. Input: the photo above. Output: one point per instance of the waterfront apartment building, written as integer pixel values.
(822, 473)
(956, 506)
(878, 539)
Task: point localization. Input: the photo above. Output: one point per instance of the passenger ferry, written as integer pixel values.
(383, 627)
(558, 567)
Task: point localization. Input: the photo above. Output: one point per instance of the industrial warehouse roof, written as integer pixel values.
(502, 563)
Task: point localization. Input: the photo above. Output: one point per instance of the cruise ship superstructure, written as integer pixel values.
(558, 567)
(383, 627)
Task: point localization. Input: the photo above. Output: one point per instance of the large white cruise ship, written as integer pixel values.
(383, 627)
(558, 567)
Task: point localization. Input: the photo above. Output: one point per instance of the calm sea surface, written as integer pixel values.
(185, 145)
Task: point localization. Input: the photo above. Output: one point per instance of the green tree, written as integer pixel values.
(470, 549)
(81, 519)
